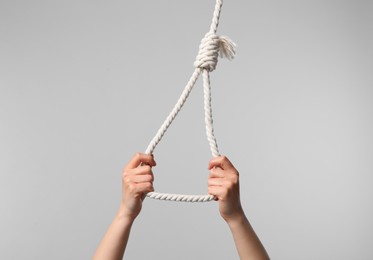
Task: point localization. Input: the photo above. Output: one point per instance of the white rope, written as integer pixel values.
(210, 47)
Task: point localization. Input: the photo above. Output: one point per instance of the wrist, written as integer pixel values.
(236, 219)
(122, 215)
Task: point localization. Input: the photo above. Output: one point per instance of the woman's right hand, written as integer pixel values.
(223, 183)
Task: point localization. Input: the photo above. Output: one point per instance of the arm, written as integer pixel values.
(223, 183)
(137, 180)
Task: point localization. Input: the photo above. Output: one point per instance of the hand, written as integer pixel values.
(137, 180)
(223, 183)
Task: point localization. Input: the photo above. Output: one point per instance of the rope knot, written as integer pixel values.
(210, 47)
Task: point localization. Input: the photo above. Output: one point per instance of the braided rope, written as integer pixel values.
(210, 47)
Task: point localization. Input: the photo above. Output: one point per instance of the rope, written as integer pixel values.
(210, 47)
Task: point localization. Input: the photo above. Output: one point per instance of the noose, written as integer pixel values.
(209, 49)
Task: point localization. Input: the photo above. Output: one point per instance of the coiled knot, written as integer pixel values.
(210, 47)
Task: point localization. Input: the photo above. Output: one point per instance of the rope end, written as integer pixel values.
(227, 48)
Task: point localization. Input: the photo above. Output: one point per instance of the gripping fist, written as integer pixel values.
(137, 180)
(223, 183)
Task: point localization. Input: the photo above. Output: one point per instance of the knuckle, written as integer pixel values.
(235, 179)
(126, 169)
(124, 175)
(148, 186)
(137, 155)
(126, 172)
(126, 179)
(131, 188)
(229, 185)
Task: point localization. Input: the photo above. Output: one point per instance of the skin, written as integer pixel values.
(223, 183)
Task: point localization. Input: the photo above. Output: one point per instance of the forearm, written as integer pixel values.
(115, 240)
(247, 242)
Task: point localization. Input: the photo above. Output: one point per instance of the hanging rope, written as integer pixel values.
(206, 61)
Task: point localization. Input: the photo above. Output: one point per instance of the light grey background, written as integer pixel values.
(86, 84)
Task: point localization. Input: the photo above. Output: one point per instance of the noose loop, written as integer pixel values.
(210, 48)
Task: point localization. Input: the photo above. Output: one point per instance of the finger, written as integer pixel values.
(139, 158)
(222, 162)
(215, 182)
(144, 187)
(141, 178)
(216, 173)
(220, 182)
(216, 191)
(141, 170)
